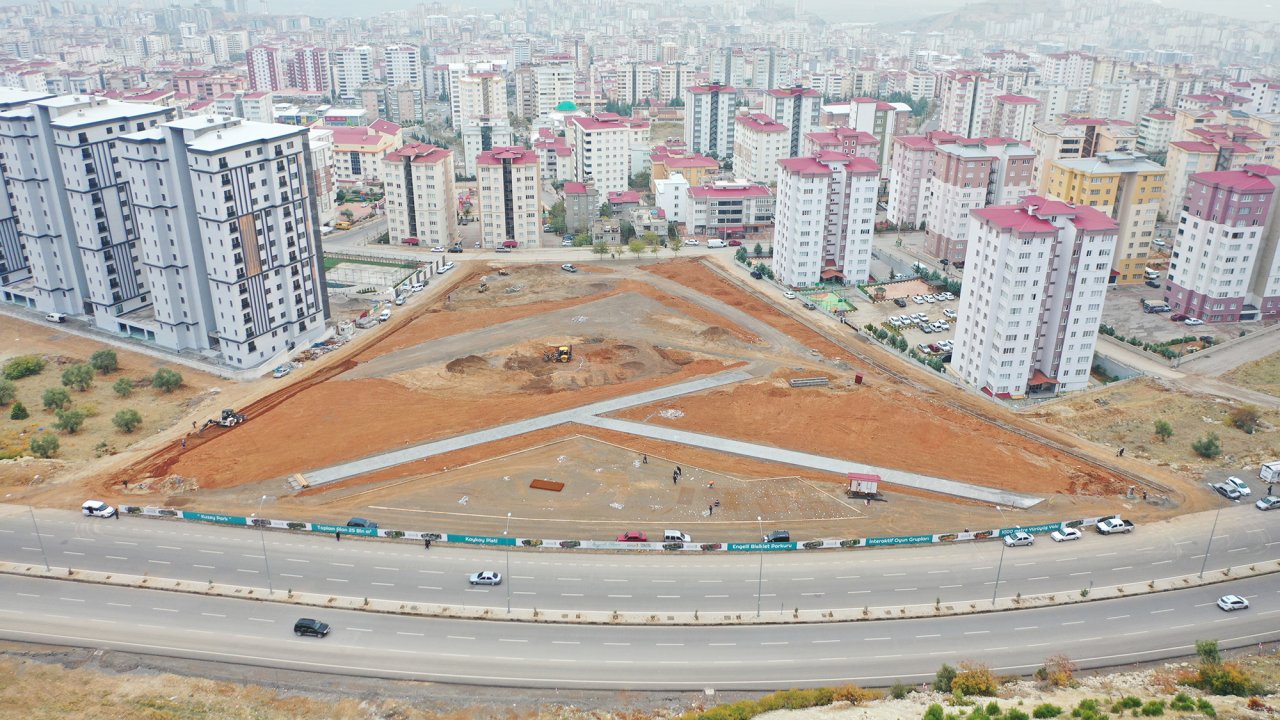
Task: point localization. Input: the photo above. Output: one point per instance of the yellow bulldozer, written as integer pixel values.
(563, 354)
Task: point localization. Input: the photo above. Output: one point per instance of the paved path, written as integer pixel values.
(817, 462)
(500, 432)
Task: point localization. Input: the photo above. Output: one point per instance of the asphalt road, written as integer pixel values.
(1144, 627)
(555, 581)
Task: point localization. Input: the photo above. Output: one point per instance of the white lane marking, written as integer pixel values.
(338, 564)
(116, 557)
(337, 579)
(172, 610)
(289, 575)
(213, 614)
(168, 547)
(565, 642)
(204, 567)
(380, 567)
(72, 599)
(261, 620)
(211, 552)
(359, 629)
(72, 552)
(411, 634)
(384, 584)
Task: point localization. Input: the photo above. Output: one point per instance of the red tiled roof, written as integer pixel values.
(712, 87)
(385, 127)
(621, 197)
(760, 122)
(793, 92)
(419, 153)
(608, 121)
(1017, 100)
(575, 188)
(1239, 180)
(721, 191)
(517, 155)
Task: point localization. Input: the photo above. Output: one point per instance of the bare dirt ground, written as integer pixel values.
(1262, 375)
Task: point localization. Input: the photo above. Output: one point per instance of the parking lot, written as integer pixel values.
(1123, 311)
(919, 331)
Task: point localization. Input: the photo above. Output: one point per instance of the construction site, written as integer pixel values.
(491, 345)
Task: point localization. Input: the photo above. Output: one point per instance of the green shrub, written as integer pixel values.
(1206, 707)
(1208, 652)
(1127, 702)
(44, 445)
(127, 420)
(166, 380)
(123, 387)
(1208, 447)
(1226, 679)
(78, 377)
(19, 412)
(943, 678)
(56, 398)
(23, 366)
(993, 709)
(1046, 711)
(1182, 702)
(8, 391)
(974, 679)
(1153, 708)
(934, 712)
(899, 690)
(104, 361)
(69, 421)
(1245, 418)
(1016, 714)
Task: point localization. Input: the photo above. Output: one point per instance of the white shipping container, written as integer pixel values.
(1270, 471)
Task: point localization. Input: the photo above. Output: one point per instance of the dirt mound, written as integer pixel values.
(625, 348)
(715, 333)
(677, 357)
(527, 363)
(470, 363)
(634, 366)
(601, 355)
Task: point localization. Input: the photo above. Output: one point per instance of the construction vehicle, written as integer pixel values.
(230, 418)
(562, 354)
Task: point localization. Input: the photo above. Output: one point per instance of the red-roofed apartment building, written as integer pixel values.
(419, 194)
(720, 208)
(826, 213)
(968, 174)
(604, 146)
(966, 97)
(555, 154)
(1205, 149)
(1225, 265)
(1035, 282)
(797, 109)
(510, 197)
(358, 151)
(759, 142)
(1013, 115)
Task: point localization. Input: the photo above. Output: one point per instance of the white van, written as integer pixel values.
(55, 317)
(675, 536)
(1270, 471)
(716, 242)
(385, 315)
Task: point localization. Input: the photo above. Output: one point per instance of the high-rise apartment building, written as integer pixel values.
(480, 94)
(307, 70)
(266, 68)
(909, 175)
(1155, 130)
(1078, 138)
(674, 79)
(419, 194)
(844, 140)
(352, 69)
(1206, 150)
(255, 106)
(76, 218)
(604, 146)
(759, 142)
(1128, 188)
(797, 108)
(1225, 265)
(636, 82)
(510, 197)
(543, 86)
(967, 174)
(13, 258)
(1035, 283)
(708, 122)
(1013, 116)
(966, 98)
(405, 83)
(826, 209)
(230, 237)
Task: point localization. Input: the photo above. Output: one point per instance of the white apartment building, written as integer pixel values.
(724, 207)
(671, 194)
(510, 202)
(635, 82)
(1072, 68)
(797, 108)
(76, 218)
(405, 81)
(674, 80)
(1012, 116)
(541, 87)
(758, 144)
(1155, 130)
(257, 106)
(826, 210)
(420, 196)
(967, 174)
(604, 146)
(13, 260)
(966, 100)
(708, 121)
(324, 183)
(480, 95)
(481, 134)
(266, 68)
(909, 178)
(352, 69)
(230, 238)
(1035, 282)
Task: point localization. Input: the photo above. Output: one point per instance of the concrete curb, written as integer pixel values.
(692, 619)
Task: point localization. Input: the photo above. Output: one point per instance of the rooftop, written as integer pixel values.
(759, 122)
(729, 190)
(1033, 213)
(1253, 179)
(1017, 100)
(242, 133)
(420, 154)
(515, 155)
(1111, 163)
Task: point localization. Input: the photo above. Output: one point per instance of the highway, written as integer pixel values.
(1144, 627)
(641, 582)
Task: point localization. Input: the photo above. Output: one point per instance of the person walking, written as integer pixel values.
(184, 443)
(337, 536)
(645, 460)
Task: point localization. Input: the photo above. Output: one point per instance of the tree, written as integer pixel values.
(640, 181)
(1208, 447)
(627, 230)
(1164, 430)
(8, 391)
(123, 387)
(347, 215)
(341, 196)
(675, 248)
(650, 238)
(758, 250)
(166, 380)
(44, 445)
(19, 412)
(606, 210)
(600, 249)
(672, 232)
(676, 102)
(1208, 652)
(556, 218)
(23, 366)
(78, 377)
(741, 255)
(127, 420)
(56, 398)
(104, 361)
(69, 421)
(636, 246)
(943, 678)
(1245, 418)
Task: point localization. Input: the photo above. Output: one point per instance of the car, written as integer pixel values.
(942, 326)
(1158, 243)
(926, 329)
(900, 302)
(809, 305)
(309, 626)
(757, 275)
(1239, 484)
(418, 287)
(1065, 534)
(445, 268)
(281, 371)
(486, 577)
(949, 313)
(1177, 317)
(1269, 502)
(568, 267)
(777, 536)
(935, 348)
(398, 301)
(920, 317)
(1193, 321)
(735, 243)
(1018, 539)
(633, 536)
(455, 249)
(691, 242)
(97, 508)
(548, 228)
(55, 317)
(502, 249)
(930, 299)
(789, 295)
(438, 248)
(356, 522)
(566, 243)
(948, 296)
(1227, 490)
(917, 299)
(1233, 602)
(924, 348)
(479, 244)
(946, 345)
(1153, 283)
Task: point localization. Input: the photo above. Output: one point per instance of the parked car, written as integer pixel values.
(949, 313)
(566, 243)
(924, 348)
(809, 305)
(949, 296)
(438, 248)
(486, 577)
(735, 243)
(1239, 485)
(756, 274)
(946, 345)
(930, 299)
(548, 228)
(935, 348)
(97, 508)
(1153, 283)
(308, 626)
(356, 522)
(1193, 321)
(774, 536)
(917, 299)
(1233, 602)
(1019, 539)
(900, 302)
(445, 268)
(633, 536)
(568, 267)
(282, 370)
(789, 295)
(1177, 317)
(455, 249)
(1227, 490)
(55, 317)
(691, 242)
(926, 329)
(502, 249)
(418, 287)
(399, 300)
(1065, 534)
(1269, 502)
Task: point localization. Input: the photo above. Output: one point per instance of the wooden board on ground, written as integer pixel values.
(551, 485)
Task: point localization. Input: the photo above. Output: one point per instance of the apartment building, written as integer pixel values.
(826, 209)
(1128, 188)
(1013, 116)
(967, 174)
(481, 134)
(635, 82)
(229, 236)
(13, 259)
(1208, 152)
(708, 122)
(1035, 284)
(75, 217)
(510, 192)
(352, 68)
(796, 108)
(884, 120)
(723, 207)
(666, 160)
(265, 64)
(843, 140)
(543, 86)
(307, 70)
(759, 142)
(674, 80)
(581, 205)
(1155, 130)
(253, 106)
(358, 151)
(1078, 138)
(909, 176)
(1225, 265)
(481, 94)
(555, 155)
(419, 195)
(604, 145)
(966, 97)
(402, 72)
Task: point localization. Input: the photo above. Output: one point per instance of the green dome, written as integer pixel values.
(567, 106)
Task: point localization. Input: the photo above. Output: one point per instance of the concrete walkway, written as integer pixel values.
(385, 460)
(816, 462)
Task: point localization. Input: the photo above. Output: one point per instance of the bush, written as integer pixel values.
(8, 391)
(1046, 711)
(78, 377)
(127, 420)
(104, 361)
(19, 412)
(1016, 714)
(943, 678)
(974, 679)
(69, 421)
(166, 380)
(1208, 652)
(993, 709)
(1245, 418)
(1164, 430)
(1182, 702)
(1206, 707)
(1226, 679)
(1153, 708)
(1127, 702)
(934, 712)
(899, 690)
(44, 445)
(1058, 671)
(123, 387)
(1208, 447)
(23, 366)
(56, 398)
(853, 695)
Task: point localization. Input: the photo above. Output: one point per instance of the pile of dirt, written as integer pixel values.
(470, 363)
(715, 333)
(677, 357)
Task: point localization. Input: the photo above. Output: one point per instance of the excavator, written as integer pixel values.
(562, 354)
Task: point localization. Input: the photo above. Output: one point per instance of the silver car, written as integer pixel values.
(487, 577)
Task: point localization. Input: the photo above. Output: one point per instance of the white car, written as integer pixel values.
(1239, 485)
(1065, 534)
(566, 243)
(445, 268)
(691, 242)
(924, 348)
(1233, 602)
(1193, 321)
(1019, 538)
(438, 248)
(487, 577)
(896, 322)
(948, 296)
(946, 345)
(917, 299)
(930, 299)
(1158, 243)
(942, 325)
(789, 295)
(949, 313)
(1268, 503)
(281, 371)
(97, 508)
(568, 267)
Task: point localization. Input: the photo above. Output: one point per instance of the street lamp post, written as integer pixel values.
(508, 527)
(508, 554)
(760, 576)
(1210, 543)
(39, 539)
(1000, 566)
(262, 535)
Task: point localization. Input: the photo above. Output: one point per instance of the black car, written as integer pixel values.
(1153, 283)
(455, 249)
(757, 275)
(900, 302)
(362, 523)
(783, 536)
(308, 626)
